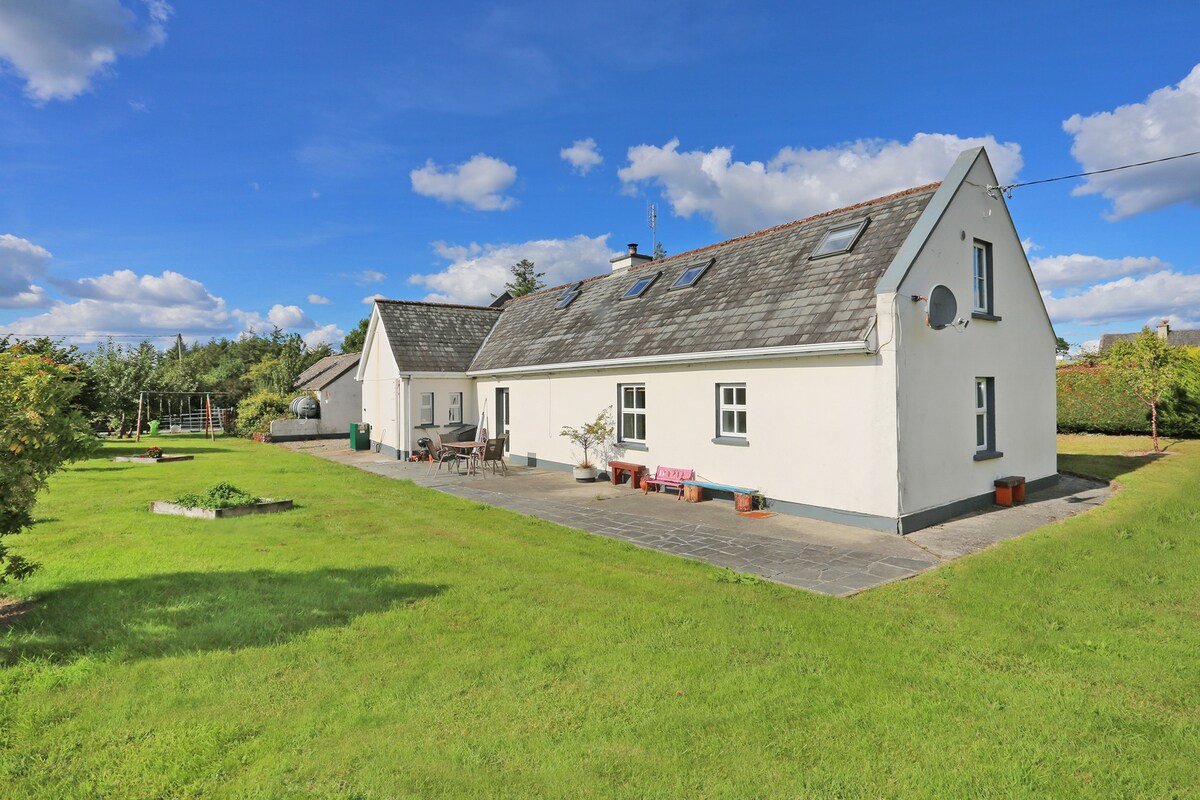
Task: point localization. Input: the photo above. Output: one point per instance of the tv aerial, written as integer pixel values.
(941, 308)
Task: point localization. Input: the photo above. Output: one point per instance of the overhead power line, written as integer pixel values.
(1007, 188)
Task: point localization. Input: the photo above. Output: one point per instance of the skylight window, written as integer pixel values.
(691, 275)
(640, 286)
(568, 298)
(840, 239)
(574, 287)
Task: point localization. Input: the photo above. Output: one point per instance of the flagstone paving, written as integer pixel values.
(810, 554)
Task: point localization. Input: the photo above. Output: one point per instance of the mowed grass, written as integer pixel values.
(383, 640)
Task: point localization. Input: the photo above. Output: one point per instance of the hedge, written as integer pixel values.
(1092, 401)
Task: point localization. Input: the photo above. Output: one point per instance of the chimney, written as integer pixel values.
(1164, 329)
(630, 259)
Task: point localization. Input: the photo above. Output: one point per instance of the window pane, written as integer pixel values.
(980, 395)
(740, 394)
(741, 422)
(727, 396)
(626, 425)
(628, 402)
(639, 396)
(641, 427)
(727, 422)
(980, 430)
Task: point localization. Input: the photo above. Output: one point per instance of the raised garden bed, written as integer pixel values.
(149, 460)
(264, 506)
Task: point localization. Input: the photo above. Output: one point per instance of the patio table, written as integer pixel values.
(466, 448)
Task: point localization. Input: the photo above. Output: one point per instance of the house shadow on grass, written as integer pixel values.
(1104, 467)
(185, 612)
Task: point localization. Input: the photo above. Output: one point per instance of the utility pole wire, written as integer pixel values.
(1007, 188)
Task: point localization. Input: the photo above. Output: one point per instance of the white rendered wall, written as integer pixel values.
(938, 368)
(821, 430)
(380, 385)
(341, 404)
(441, 386)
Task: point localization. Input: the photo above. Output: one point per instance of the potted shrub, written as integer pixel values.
(594, 435)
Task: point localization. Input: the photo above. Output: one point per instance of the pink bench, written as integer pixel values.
(668, 478)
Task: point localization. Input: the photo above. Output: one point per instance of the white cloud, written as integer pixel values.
(1060, 272)
(21, 263)
(1164, 125)
(126, 303)
(1147, 299)
(318, 300)
(282, 316)
(582, 155)
(371, 298)
(477, 182)
(476, 272)
(365, 277)
(329, 334)
(740, 196)
(126, 286)
(59, 47)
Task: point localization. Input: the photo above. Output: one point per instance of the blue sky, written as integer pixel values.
(212, 167)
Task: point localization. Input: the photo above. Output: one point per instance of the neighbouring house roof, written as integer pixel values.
(326, 371)
(1174, 338)
(434, 337)
(761, 291)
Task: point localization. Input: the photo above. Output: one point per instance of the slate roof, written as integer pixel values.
(1174, 338)
(326, 371)
(435, 337)
(761, 291)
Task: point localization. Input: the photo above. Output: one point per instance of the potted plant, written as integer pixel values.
(591, 436)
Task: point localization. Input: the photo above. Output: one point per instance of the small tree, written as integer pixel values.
(41, 432)
(593, 435)
(357, 337)
(660, 252)
(525, 279)
(1061, 346)
(1150, 367)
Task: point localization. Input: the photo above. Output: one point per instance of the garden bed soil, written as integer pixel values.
(10, 609)
(149, 460)
(267, 506)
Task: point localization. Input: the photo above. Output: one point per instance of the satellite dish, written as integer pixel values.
(941, 307)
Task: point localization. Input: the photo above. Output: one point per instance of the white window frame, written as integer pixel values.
(634, 412)
(731, 406)
(984, 416)
(981, 277)
(454, 409)
(426, 412)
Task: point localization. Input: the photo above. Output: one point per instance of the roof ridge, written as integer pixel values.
(435, 305)
(786, 225)
(753, 235)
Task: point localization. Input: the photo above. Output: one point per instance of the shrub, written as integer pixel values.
(256, 412)
(221, 495)
(1092, 400)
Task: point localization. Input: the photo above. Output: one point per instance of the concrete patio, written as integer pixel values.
(821, 556)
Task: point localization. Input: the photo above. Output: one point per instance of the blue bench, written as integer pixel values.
(693, 492)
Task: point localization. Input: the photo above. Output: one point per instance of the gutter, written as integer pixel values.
(820, 349)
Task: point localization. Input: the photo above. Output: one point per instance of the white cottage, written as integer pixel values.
(797, 360)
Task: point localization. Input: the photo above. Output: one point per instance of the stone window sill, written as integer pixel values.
(733, 441)
(987, 455)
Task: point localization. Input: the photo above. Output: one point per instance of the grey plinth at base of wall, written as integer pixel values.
(148, 460)
(265, 507)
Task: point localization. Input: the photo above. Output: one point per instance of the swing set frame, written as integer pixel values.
(145, 396)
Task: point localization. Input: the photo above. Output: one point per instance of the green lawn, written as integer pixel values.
(383, 640)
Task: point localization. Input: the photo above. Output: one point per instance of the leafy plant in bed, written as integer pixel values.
(220, 500)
